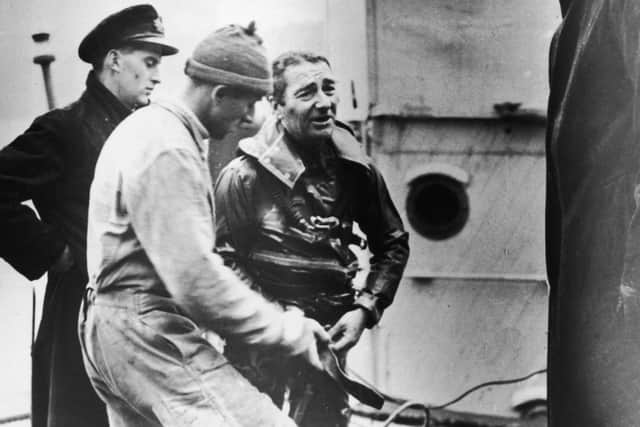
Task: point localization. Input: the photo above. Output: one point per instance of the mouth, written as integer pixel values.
(322, 121)
(246, 118)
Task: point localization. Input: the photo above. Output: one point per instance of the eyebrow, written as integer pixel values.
(310, 85)
(306, 87)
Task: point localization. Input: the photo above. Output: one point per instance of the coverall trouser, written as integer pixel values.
(152, 367)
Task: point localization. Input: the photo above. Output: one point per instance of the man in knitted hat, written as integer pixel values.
(285, 213)
(155, 282)
(52, 164)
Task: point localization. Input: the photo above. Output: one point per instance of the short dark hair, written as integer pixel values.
(286, 60)
(98, 62)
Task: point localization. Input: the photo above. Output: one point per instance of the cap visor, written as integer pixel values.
(157, 42)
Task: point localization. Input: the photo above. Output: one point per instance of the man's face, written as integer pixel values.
(138, 75)
(229, 110)
(309, 103)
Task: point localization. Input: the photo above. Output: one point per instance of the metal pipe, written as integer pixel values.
(45, 62)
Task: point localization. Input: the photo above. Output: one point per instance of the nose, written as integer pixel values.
(324, 101)
(247, 116)
(250, 109)
(155, 76)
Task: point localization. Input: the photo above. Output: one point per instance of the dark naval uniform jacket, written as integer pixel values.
(52, 164)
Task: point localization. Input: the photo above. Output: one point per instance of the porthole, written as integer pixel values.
(437, 205)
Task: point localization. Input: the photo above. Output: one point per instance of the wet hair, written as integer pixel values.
(286, 60)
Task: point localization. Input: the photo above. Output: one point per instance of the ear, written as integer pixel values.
(113, 61)
(277, 109)
(272, 102)
(219, 93)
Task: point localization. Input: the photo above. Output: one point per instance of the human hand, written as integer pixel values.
(304, 337)
(64, 262)
(319, 338)
(347, 331)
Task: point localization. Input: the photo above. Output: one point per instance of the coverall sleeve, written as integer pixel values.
(171, 215)
(388, 243)
(29, 167)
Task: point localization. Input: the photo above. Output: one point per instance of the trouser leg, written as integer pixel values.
(267, 371)
(317, 400)
(159, 365)
(314, 398)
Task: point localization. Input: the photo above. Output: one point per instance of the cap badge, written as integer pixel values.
(157, 25)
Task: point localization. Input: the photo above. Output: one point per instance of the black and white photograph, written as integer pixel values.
(320, 213)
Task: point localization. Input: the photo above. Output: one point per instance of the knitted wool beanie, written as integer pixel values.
(232, 56)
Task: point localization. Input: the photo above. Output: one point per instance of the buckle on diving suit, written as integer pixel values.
(333, 227)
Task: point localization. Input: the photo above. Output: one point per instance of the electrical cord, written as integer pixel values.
(406, 404)
(488, 384)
